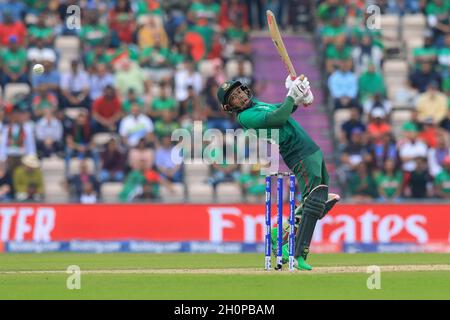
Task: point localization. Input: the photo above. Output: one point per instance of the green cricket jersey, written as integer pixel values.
(295, 144)
(443, 180)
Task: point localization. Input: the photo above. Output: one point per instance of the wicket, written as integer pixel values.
(268, 220)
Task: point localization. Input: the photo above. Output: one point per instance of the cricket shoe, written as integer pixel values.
(301, 264)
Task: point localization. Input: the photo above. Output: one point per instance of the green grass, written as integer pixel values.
(301, 285)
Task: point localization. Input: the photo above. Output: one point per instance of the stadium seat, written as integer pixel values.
(205, 68)
(53, 164)
(175, 195)
(340, 116)
(110, 191)
(229, 192)
(390, 22)
(196, 173)
(395, 66)
(73, 113)
(398, 118)
(74, 165)
(103, 138)
(413, 21)
(200, 193)
(410, 44)
(68, 46)
(13, 89)
(231, 68)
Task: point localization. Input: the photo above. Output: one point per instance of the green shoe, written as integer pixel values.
(302, 265)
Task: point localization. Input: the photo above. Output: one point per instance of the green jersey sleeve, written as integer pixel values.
(256, 118)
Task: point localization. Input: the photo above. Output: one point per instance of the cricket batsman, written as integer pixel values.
(300, 153)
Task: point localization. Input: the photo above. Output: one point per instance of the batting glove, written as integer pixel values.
(299, 89)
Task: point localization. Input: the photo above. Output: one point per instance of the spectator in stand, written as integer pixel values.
(442, 180)
(230, 10)
(14, 63)
(49, 135)
(43, 100)
(343, 86)
(378, 126)
(362, 185)
(28, 181)
(352, 123)
(16, 9)
(204, 12)
(152, 33)
(156, 62)
(370, 83)
(166, 124)
(48, 81)
(405, 95)
(97, 55)
(136, 126)
(131, 99)
(382, 151)
(337, 54)
(411, 148)
(88, 194)
(437, 154)
(9, 28)
(106, 111)
(419, 181)
(353, 154)
(238, 44)
(141, 183)
(445, 124)
(6, 186)
(40, 53)
(130, 75)
(121, 21)
(185, 77)
(421, 79)
(99, 80)
(78, 183)
(112, 163)
(75, 87)
(162, 103)
(215, 117)
(190, 107)
(41, 31)
(429, 133)
(93, 32)
(142, 152)
(166, 163)
(242, 76)
(389, 182)
(252, 183)
(432, 104)
(444, 57)
(377, 102)
(366, 52)
(79, 142)
(425, 54)
(438, 12)
(17, 138)
(221, 171)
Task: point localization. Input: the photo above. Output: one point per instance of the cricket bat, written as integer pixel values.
(278, 42)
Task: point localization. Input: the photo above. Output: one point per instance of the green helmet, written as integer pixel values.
(224, 92)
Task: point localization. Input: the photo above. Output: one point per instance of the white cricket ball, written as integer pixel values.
(38, 68)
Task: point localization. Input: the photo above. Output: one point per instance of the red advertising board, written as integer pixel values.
(420, 223)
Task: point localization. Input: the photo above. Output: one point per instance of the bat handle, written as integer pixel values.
(293, 77)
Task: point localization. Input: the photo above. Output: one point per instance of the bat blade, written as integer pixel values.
(279, 44)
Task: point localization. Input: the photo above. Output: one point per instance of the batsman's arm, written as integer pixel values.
(281, 115)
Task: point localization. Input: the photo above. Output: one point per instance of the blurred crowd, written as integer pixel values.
(140, 69)
(380, 159)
